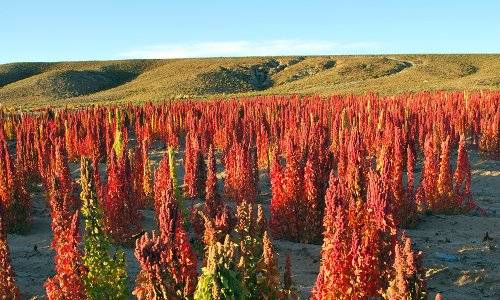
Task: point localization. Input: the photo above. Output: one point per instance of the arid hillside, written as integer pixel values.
(33, 85)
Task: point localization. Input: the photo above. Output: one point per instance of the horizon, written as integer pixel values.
(60, 31)
(251, 56)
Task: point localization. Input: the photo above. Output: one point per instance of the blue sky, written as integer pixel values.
(81, 30)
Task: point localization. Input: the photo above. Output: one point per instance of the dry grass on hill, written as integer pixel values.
(33, 85)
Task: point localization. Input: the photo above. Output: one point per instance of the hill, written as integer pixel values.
(33, 85)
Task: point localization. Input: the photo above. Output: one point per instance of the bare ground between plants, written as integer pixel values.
(461, 261)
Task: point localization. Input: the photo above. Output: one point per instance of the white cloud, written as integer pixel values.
(250, 48)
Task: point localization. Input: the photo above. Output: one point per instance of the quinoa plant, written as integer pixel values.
(106, 273)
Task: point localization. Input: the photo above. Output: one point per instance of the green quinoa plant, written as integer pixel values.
(106, 277)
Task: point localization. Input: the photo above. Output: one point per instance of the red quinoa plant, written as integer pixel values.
(427, 191)
(70, 272)
(287, 205)
(440, 190)
(142, 175)
(462, 180)
(122, 217)
(351, 265)
(194, 168)
(216, 229)
(68, 281)
(6, 172)
(168, 265)
(241, 179)
(490, 129)
(213, 200)
(162, 184)
(297, 193)
(268, 277)
(407, 215)
(13, 192)
(8, 288)
(408, 278)
(444, 180)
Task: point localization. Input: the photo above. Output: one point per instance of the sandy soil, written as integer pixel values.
(461, 263)
(458, 262)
